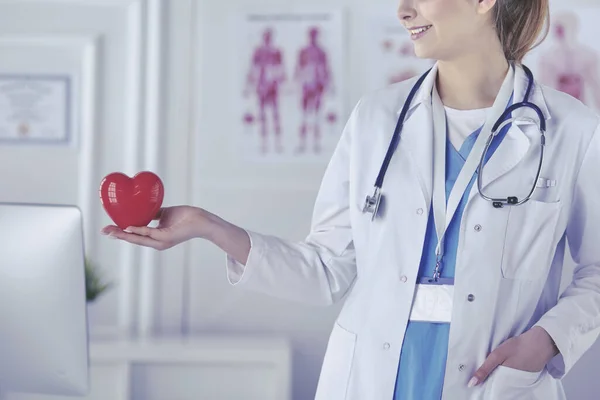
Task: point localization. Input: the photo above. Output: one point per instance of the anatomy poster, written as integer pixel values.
(289, 85)
(569, 58)
(391, 56)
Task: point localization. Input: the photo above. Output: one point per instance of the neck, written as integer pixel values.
(472, 81)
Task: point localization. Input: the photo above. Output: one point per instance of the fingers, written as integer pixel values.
(141, 231)
(495, 358)
(107, 230)
(115, 231)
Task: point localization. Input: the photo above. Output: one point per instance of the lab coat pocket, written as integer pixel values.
(513, 384)
(518, 377)
(337, 365)
(529, 241)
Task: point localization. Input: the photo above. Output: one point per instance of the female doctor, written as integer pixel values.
(451, 268)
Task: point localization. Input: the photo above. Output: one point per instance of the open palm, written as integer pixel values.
(175, 225)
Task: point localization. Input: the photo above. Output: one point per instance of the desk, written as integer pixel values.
(194, 368)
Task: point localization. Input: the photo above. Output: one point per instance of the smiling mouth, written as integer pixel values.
(419, 30)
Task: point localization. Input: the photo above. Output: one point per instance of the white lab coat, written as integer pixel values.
(509, 259)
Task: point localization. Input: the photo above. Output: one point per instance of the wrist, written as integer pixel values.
(546, 343)
(206, 225)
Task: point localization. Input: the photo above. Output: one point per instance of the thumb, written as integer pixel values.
(495, 358)
(159, 214)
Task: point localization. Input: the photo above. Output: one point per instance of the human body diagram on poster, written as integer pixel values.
(290, 96)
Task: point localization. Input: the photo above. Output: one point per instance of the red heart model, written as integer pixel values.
(131, 201)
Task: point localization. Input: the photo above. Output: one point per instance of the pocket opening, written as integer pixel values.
(337, 364)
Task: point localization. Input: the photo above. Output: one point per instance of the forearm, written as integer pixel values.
(574, 322)
(317, 270)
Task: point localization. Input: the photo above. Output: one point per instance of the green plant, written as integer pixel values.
(94, 282)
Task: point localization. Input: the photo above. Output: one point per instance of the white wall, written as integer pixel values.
(184, 117)
(102, 45)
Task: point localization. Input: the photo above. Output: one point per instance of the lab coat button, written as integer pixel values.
(471, 297)
(477, 228)
(461, 367)
(420, 211)
(403, 278)
(386, 346)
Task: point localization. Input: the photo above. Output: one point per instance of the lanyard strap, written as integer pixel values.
(443, 213)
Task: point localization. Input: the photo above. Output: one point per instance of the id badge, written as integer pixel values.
(432, 303)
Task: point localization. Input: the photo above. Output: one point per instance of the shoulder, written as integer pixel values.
(573, 127)
(387, 99)
(376, 113)
(569, 113)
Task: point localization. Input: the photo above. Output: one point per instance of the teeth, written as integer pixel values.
(419, 30)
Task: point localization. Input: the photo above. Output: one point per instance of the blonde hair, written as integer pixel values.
(519, 23)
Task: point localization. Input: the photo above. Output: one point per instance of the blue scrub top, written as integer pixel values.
(424, 351)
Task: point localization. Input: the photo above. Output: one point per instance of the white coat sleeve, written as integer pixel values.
(574, 323)
(321, 268)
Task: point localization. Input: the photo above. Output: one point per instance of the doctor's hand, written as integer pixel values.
(175, 225)
(181, 223)
(528, 352)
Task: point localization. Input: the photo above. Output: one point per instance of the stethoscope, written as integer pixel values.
(372, 202)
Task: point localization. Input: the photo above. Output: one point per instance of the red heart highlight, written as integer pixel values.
(131, 201)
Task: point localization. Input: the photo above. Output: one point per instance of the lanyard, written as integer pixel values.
(443, 213)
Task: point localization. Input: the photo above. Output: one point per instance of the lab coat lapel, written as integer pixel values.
(520, 138)
(417, 141)
(417, 135)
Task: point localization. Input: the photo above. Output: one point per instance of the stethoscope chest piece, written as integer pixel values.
(372, 203)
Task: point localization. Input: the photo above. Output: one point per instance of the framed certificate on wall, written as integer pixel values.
(35, 109)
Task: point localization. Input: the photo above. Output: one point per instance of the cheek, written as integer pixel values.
(451, 28)
(458, 33)
(441, 11)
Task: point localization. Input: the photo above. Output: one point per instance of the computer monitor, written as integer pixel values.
(43, 313)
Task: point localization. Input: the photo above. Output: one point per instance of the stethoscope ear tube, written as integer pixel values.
(502, 122)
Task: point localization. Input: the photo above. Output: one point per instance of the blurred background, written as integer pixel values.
(237, 106)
